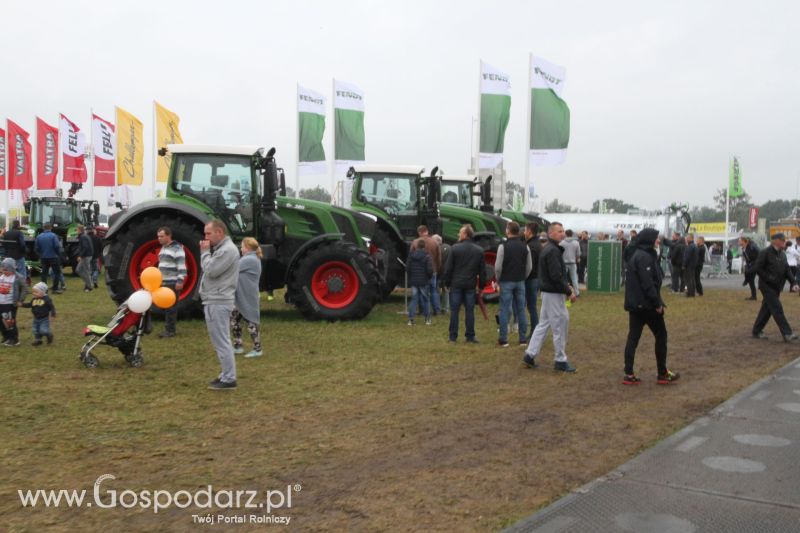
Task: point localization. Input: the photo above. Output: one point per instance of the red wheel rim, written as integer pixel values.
(334, 284)
(489, 258)
(147, 255)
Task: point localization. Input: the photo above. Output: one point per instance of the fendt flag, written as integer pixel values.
(735, 182)
(495, 112)
(549, 127)
(130, 148)
(46, 156)
(73, 149)
(348, 116)
(20, 167)
(104, 150)
(167, 132)
(310, 130)
(2, 159)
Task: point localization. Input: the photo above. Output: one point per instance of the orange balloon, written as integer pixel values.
(164, 297)
(150, 278)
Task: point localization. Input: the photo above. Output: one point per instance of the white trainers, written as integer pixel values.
(254, 353)
(238, 351)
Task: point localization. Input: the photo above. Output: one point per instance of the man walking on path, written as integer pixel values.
(48, 247)
(512, 267)
(555, 291)
(219, 258)
(85, 253)
(749, 255)
(645, 307)
(773, 272)
(435, 252)
(464, 268)
(172, 265)
(689, 265)
(532, 281)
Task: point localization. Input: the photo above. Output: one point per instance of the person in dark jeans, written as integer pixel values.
(773, 272)
(532, 281)
(676, 250)
(645, 307)
(172, 265)
(749, 256)
(702, 250)
(584, 243)
(48, 247)
(689, 266)
(97, 256)
(464, 267)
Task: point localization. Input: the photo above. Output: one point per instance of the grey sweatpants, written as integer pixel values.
(554, 315)
(218, 321)
(84, 270)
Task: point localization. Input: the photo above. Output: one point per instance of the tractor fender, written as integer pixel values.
(167, 206)
(308, 245)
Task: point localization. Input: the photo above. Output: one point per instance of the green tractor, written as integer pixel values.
(319, 253)
(402, 199)
(64, 215)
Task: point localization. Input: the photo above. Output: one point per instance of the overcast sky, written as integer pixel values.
(661, 94)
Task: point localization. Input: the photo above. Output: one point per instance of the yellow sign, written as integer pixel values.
(166, 133)
(130, 149)
(708, 227)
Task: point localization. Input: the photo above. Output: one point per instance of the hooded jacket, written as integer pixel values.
(420, 268)
(643, 275)
(220, 273)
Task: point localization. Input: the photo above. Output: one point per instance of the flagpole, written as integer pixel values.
(477, 140)
(333, 140)
(727, 209)
(526, 205)
(297, 143)
(155, 148)
(116, 156)
(90, 177)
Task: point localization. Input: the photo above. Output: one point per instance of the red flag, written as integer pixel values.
(2, 159)
(46, 155)
(20, 173)
(104, 149)
(753, 217)
(73, 147)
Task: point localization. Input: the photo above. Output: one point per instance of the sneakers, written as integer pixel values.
(428, 322)
(410, 323)
(87, 289)
(631, 379)
(791, 338)
(254, 353)
(760, 335)
(95, 284)
(37, 342)
(10, 342)
(166, 334)
(669, 377)
(753, 298)
(217, 384)
(238, 350)
(50, 339)
(473, 341)
(502, 344)
(564, 366)
(529, 361)
(523, 342)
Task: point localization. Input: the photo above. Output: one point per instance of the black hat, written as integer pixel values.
(779, 237)
(647, 237)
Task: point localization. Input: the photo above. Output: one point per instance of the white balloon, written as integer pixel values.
(140, 301)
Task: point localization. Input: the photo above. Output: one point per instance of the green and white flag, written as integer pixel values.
(310, 130)
(495, 111)
(549, 127)
(348, 115)
(735, 179)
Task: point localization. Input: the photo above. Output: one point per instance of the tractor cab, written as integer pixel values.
(468, 191)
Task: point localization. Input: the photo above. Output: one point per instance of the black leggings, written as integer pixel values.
(655, 321)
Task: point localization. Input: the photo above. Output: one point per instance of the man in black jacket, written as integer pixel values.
(749, 255)
(676, 250)
(702, 250)
(14, 242)
(532, 281)
(689, 265)
(773, 271)
(555, 291)
(645, 307)
(464, 268)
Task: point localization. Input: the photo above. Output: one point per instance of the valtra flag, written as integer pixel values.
(46, 155)
(104, 146)
(73, 149)
(2, 159)
(130, 156)
(166, 133)
(20, 171)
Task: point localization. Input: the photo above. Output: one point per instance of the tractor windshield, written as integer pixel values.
(222, 182)
(457, 193)
(394, 193)
(57, 214)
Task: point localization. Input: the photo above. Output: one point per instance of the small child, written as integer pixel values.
(12, 292)
(42, 308)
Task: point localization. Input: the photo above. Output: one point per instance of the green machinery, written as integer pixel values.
(318, 252)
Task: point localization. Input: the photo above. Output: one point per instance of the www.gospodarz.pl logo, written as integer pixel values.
(265, 501)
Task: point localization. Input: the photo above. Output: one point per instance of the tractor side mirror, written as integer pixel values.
(27, 205)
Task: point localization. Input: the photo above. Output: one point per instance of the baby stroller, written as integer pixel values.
(123, 332)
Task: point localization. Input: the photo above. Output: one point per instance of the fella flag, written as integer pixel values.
(46, 156)
(166, 133)
(73, 149)
(2, 159)
(310, 130)
(348, 116)
(549, 127)
(735, 183)
(495, 112)
(20, 168)
(130, 159)
(104, 150)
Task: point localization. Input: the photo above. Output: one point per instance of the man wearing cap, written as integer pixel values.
(773, 271)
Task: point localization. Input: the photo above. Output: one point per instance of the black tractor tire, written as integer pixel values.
(394, 274)
(120, 249)
(346, 285)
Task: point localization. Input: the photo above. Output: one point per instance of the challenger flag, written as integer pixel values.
(549, 127)
(495, 112)
(166, 133)
(310, 130)
(130, 156)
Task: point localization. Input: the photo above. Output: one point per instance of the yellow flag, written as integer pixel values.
(130, 149)
(166, 133)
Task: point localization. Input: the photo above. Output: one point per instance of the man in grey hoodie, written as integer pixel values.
(219, 259)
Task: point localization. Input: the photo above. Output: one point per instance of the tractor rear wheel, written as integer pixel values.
(135, 247)
(336, 281)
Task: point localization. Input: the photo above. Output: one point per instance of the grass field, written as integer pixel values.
(383, 426)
